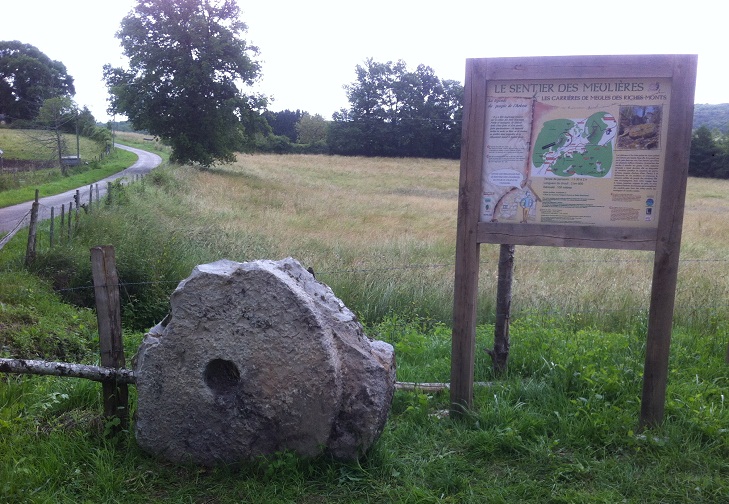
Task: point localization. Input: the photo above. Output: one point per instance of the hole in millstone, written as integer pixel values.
(221, 375)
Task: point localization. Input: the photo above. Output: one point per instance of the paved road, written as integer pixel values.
(11, 216)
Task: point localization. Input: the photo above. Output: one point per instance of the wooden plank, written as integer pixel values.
(552, 235)
(463, 342)
(594, 67)
(668, 242)
(108, 314)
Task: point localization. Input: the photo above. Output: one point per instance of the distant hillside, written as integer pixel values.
(712, 116)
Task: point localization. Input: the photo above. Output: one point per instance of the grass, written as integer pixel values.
(19, 187)
(381, 232)
(560, 427)
(26, 145)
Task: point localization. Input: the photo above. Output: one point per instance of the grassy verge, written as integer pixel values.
(560, 427)
(20, 187)
(51, 182)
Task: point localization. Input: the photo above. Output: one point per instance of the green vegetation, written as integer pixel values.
(709, 154)
(29, 77)
(560, 427)
(23, 145)
(714, 117)
(50, 182)
(19, 186)
(186, 63)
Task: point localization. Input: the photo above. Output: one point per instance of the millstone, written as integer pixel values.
(257, 358)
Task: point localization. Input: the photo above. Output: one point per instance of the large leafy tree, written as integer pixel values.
(398, 112)
(27, 78)
(188, 61)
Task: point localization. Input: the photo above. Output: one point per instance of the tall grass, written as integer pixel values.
(381, 232)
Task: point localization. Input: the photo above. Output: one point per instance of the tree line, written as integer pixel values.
(187, 82)
(394, 112)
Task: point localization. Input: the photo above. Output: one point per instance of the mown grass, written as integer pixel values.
(560, 427)
(30, 145)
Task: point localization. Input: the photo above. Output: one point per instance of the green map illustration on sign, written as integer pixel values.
(568, 147)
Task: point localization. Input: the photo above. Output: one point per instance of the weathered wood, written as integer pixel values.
(463, 341)
(78, 204)
(500, 353)
(663, 240)
(53, 225)
(70, 207)
(668, 242)
(30, 250)
(91, 196)
(430, 387)
(66, 369)
(554, 235)
(593, 67)
(108, 314)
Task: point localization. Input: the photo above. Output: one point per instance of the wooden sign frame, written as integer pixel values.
(664, 238)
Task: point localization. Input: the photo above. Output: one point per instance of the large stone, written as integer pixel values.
(257, 358)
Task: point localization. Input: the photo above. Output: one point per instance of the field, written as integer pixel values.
(560, 427)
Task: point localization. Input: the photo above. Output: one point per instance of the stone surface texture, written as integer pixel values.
(257, 358)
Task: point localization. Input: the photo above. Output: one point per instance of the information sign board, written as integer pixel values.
(575, 151)
(585, 151)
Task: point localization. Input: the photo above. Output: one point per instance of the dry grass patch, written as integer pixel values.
(390, 204)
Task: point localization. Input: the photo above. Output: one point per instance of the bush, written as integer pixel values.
(275, 144)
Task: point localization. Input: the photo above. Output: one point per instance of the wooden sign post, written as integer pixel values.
(574, 152)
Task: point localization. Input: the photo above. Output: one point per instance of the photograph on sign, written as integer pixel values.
(575, 151)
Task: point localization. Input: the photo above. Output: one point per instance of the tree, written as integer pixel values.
(187, 59)
(27, 78)
(398, 112)
(311, 129)
(704, 153)
(284, 123)
(55, 114)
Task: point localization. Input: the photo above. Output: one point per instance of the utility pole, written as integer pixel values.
(78, 147)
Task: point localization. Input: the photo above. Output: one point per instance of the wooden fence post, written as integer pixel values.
(70, 207)
(500, 353)
(53, 223)
(91, 196)
(63, 222)
(30, 250)
(78, 204)
(108, 313)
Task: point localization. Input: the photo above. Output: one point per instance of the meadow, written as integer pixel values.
(561, 426)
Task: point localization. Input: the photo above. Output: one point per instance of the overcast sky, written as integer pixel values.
(309, 49)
